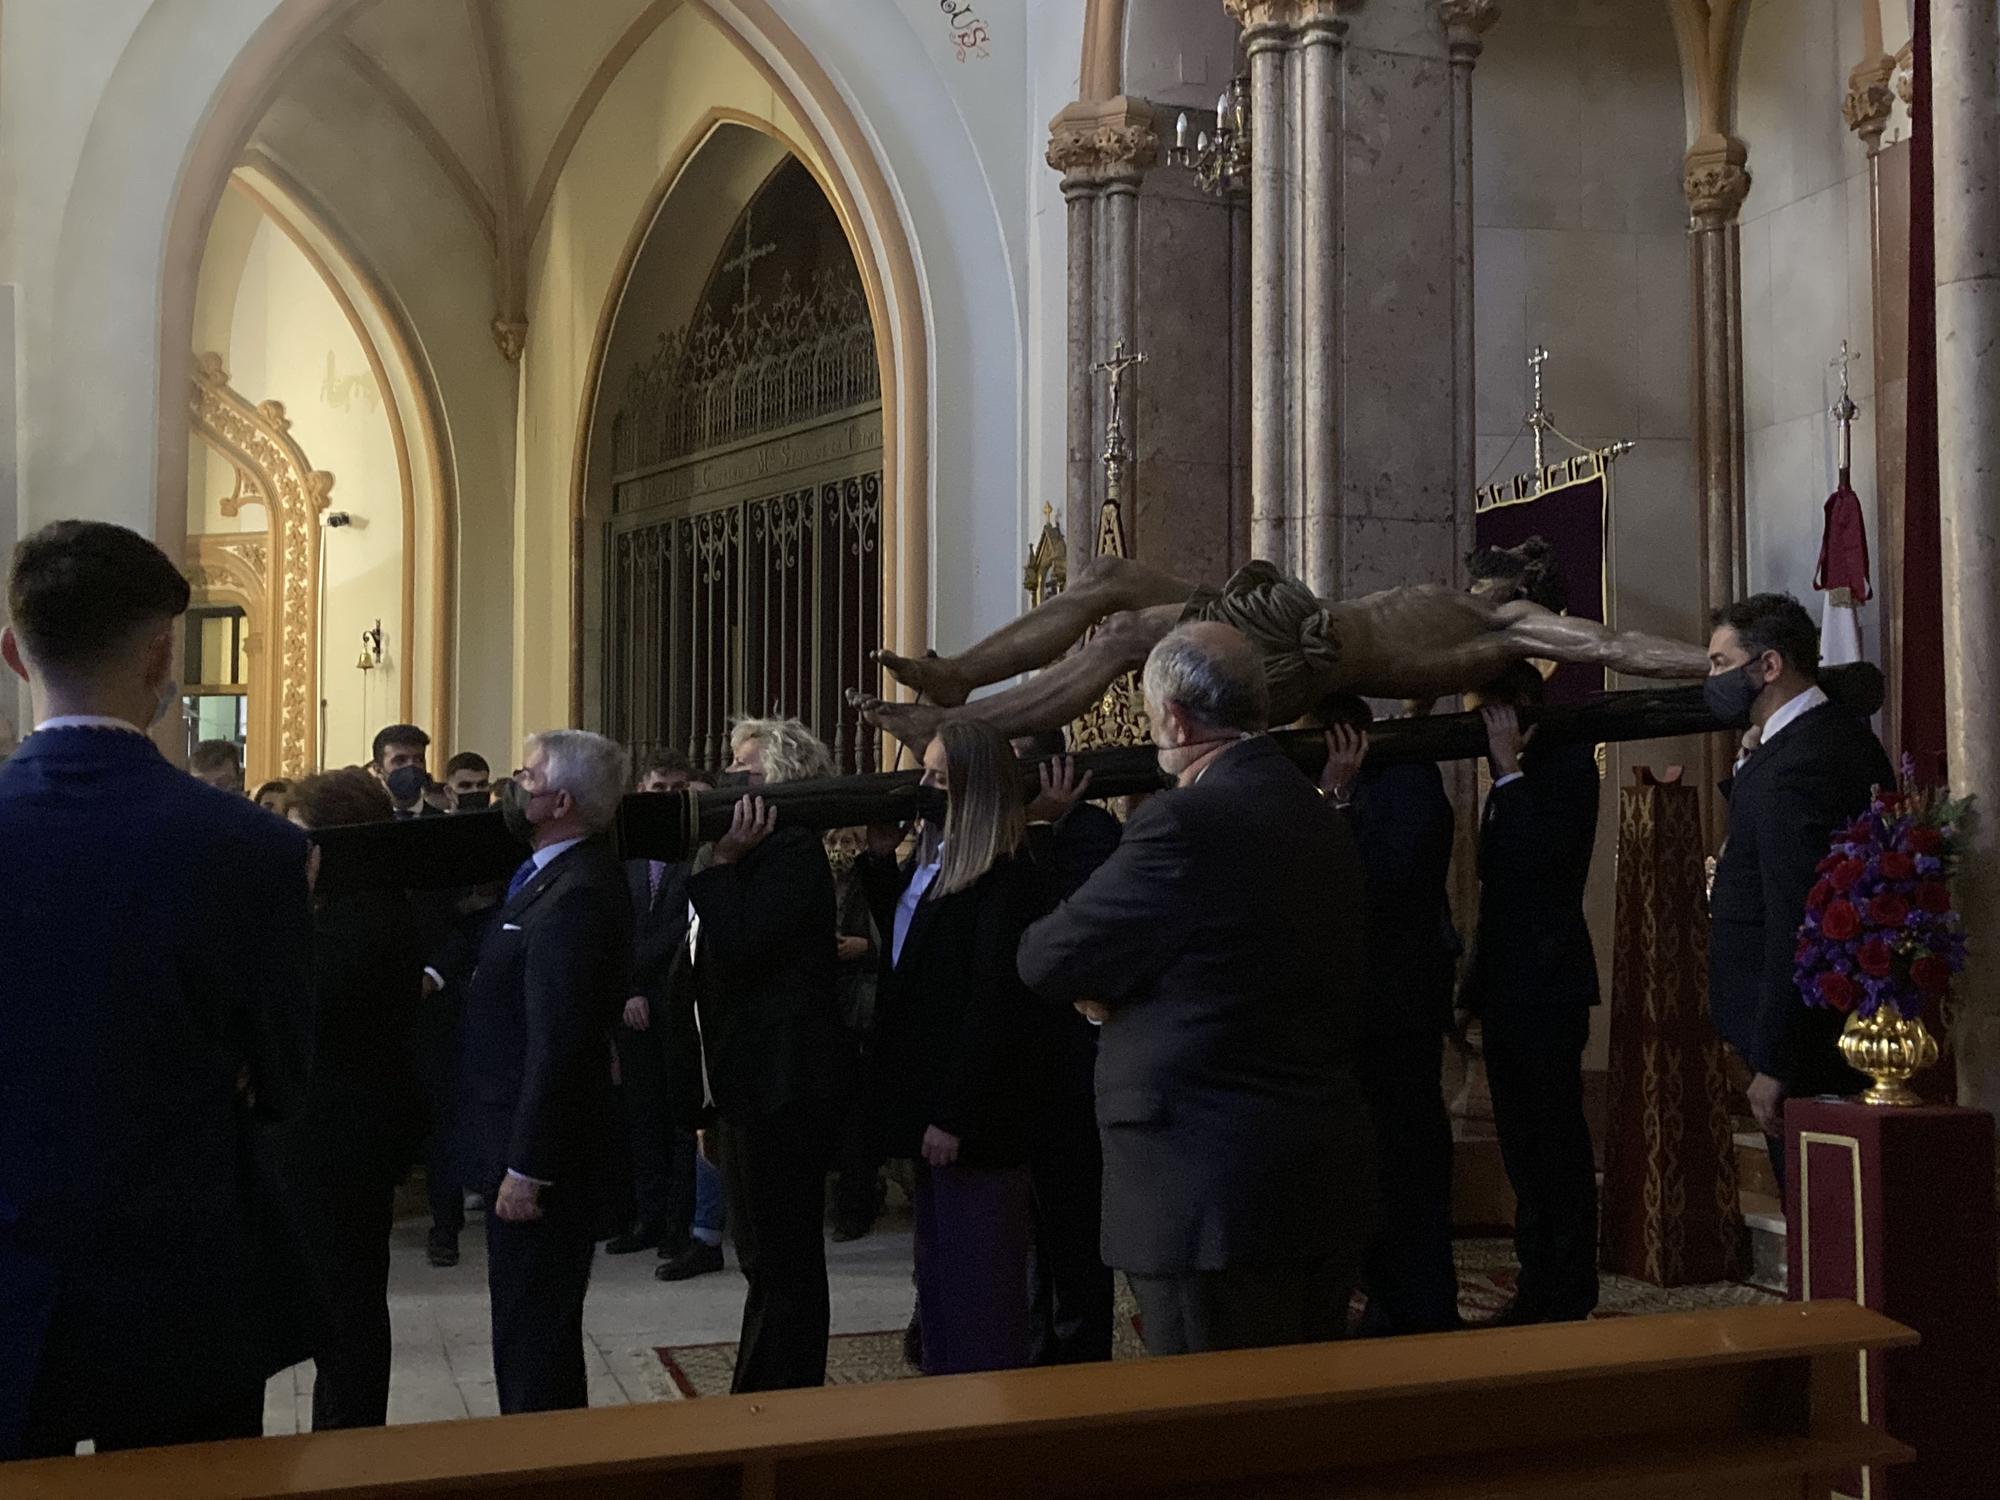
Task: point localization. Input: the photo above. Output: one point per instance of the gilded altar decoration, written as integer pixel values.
(1046, 572)
(1881, 939)
(272, 470)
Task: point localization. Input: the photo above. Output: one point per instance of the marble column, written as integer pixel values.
(1716, 182)
(1965, 108)
(1267, 45)
(1317, 340)
(1103, 148)
(1466, 23)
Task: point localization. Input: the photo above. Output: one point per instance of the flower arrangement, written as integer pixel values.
(1879, 928)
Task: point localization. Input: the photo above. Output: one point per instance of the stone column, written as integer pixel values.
(1466, 22)
(1716, 182)
(1103, 148)
(1267, 45)
(1965, 108)
(1316, 200)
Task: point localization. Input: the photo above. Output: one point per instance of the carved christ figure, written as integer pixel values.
(1423, 641)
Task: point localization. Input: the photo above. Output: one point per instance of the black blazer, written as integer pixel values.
(1784, 806)
(363, 1116)
(1067, 854)
(155, 948)
(764, 977)
(961, 1042)
(1533, 948)
(1224, 933)
(659, 924)
(535, 1085)
(1405, 828)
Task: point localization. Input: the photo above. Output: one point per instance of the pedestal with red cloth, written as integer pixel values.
(1894, 1208)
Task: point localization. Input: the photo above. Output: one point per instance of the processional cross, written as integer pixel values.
(744, 262)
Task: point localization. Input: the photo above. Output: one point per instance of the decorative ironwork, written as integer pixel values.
(800, 357)
(765, 606)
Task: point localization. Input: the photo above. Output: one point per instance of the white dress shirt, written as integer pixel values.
(1796, 708)
(89, 721)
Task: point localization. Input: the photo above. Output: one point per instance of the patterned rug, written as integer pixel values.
(1486, 1273)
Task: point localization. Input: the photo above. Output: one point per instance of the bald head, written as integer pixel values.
(1213, 675)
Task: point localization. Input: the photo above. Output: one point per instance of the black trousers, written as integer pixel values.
(857, 1164)
(1411, 1279)
(1069, 1289)
(349, 1246)
(437, 1065)
(239, 1414)
(1534, 1066)
(649, 1127)
(774, 1176)
(536, 1274)
(1255, 1307)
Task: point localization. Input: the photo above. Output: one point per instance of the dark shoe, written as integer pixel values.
(913, 1343)
(443, 1250)
(633, 1241)
(698, 1259)
(845, 1230)
(1516, 1314)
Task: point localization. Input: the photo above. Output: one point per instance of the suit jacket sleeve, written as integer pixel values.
(1527, 818)
(1793, 835)
(269, 985)
(570, 948)
(1125, 924)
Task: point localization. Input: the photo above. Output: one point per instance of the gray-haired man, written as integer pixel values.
(1218, 947)
(538, 1105)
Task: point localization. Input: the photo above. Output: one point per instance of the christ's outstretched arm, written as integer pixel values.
(1531, 631)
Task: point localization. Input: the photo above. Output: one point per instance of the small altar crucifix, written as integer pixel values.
(744, 262)
(1114, 430)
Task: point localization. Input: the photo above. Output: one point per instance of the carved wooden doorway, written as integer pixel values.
(744, 560)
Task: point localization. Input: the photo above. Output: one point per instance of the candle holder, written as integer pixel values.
(1220, 166)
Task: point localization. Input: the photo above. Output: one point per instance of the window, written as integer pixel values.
(215, 675)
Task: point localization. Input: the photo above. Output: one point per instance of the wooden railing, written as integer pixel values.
(1751, 1403)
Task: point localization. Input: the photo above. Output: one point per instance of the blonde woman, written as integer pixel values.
(963, 1049)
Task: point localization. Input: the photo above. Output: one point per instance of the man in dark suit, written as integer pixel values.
(399, 756)
(1813, 769)
(1217, 946)
(537, 1107)
(142, 1053)
(765, 987)
(1071, 1297)
(1532, 983)
(1404, 826)
(659, 932)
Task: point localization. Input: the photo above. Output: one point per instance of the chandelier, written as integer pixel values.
(1222, 165)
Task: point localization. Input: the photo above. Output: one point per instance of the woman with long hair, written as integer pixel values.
(361, 1122)
(963, 1048)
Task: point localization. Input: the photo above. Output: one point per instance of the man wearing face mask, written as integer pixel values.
(469, 780)
(537, 1112)
(141, 1061)
(1217, 946)
(1813, 769)
(398, 763)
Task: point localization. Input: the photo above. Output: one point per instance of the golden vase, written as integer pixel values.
(1891, 1049)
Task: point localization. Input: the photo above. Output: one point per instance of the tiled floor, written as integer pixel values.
(444, 1354)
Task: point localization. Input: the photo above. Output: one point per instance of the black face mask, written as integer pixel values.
(514, 809)
(1731, 695)
(474, 801)
(406, 784)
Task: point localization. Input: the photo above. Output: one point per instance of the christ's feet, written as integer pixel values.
(930, 674)
(915, 724)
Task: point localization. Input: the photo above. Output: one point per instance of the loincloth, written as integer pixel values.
(1287, 624)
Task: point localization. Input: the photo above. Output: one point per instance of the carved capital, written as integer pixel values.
(511, 338)
(1279, 18)
(1466, 23)
(1108, 141)
(1870, 98)
(1715, 179)
(1906, 77)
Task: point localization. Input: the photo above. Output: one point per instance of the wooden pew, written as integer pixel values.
(1748, 1403)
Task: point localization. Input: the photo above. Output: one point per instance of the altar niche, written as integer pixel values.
(744, 565)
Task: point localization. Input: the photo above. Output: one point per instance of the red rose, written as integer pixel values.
(1819, 895)
(1888, 910)
(1836, 990)
(1925, 839)
(1934, 896)
(1874, 958)
(1828, 865)
(1897, 865)
(1931, 974)
(1840, 921)
(1846, 873)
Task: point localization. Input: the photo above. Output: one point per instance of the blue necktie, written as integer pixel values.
(521, 877)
